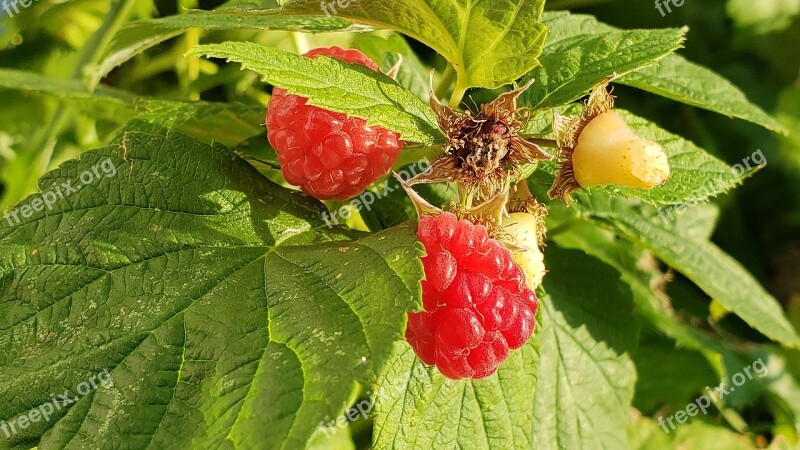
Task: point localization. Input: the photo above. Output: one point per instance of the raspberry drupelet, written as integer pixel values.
(329, 154)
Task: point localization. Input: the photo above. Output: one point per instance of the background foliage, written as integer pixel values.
(230, 315)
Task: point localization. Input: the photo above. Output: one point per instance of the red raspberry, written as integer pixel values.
(326, 153)
(476, 303)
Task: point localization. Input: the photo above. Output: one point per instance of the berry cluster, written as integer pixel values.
(329, 154)
(476, 303)
(478, 299)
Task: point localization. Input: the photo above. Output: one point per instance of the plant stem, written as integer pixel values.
(458, 92)
(448, 77)
(540, 142)
(189, 66)
(97, 44)
(301, 42)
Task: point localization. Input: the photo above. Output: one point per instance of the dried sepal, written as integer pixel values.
(490, 214)
(567, 130)
(484, 149)
(392, 73)
(422, 206)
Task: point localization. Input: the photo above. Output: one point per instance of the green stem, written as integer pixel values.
(91, 52)
(301, 42)
(448, 77)
(541, 142)
(97, 44)
(458, 92)
(189, 68)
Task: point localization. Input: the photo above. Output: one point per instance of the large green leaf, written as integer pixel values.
(676, 78)
(673, 76)
(338, 86)
(227, 123)
(225, 310)
(420, 408)
(641, 272)
(714, 271)
(578, 56)
(138, 36)
(585, 376)
(489, 43)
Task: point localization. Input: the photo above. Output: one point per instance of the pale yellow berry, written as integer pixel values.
(609, 152)
(524, 230)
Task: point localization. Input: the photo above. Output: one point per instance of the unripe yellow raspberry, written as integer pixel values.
(609, 152)
(598, 148)
(524, 231)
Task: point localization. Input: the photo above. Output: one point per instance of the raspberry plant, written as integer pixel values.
(552, 280)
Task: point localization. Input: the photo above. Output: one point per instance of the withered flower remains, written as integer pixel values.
(484, 150)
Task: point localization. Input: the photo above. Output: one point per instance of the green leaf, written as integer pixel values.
(640, 271)
(419, 408)
(489, 43)
(226, 312)
(227, 123)
(678, 79)
(672, 77)
(578, 56)
(668, 376)
(387, 51)
(138, 36)
(335, 85)
(585, 376)
(628, 258)
(714, 271)
(646, 434)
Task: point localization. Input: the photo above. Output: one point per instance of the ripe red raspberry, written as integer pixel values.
(326, 153)
(477, 305)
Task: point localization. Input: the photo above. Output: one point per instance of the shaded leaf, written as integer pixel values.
(227, 123)
(585, 377)
(714, 271)
(136, 37)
